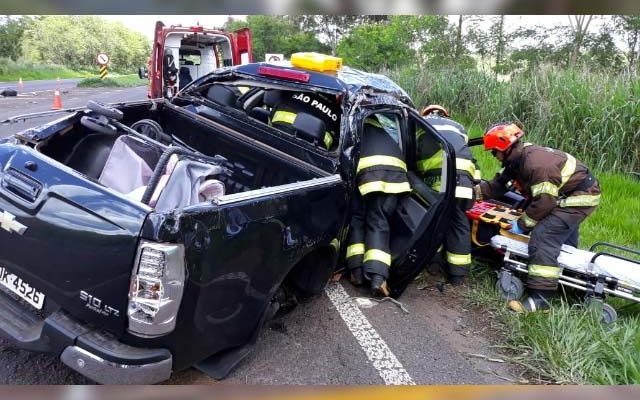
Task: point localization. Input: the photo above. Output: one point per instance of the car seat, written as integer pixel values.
(184, 77)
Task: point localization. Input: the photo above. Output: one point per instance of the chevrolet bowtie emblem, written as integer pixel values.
(8, 223)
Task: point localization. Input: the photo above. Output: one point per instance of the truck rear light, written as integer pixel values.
(281, 73)
(157, 284)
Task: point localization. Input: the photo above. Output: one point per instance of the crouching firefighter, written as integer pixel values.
(381, 175)
(457, 246)
(561, 193)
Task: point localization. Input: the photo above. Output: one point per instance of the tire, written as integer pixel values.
(151, 129)
(103, 109)
(512, 289)
(98, 125)
(609, 314)
(8, 93)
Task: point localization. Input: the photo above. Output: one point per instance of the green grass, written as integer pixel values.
(593, 115)
(569, 344)
(114, 81)
(13, 71)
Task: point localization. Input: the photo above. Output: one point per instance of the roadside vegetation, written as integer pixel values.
(12, 71)
(114, 81)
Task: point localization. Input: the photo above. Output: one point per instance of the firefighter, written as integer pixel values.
(290, 103)
(381, 175)
(457, 246)
(561, 193)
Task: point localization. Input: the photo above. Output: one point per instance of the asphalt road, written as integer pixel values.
(339, 338)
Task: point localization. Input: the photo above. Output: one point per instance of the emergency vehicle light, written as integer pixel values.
(284, 74)
(197, 29)
(316, 62)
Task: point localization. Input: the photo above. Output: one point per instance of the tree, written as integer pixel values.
(11, 33)
(579, 27)
(629, 27)
(276, 34)
(74, 42)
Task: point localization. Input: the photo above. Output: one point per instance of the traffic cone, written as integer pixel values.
(57, 101)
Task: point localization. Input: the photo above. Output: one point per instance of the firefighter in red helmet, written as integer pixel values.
(561, 193)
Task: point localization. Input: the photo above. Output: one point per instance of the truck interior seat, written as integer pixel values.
(261, 114)
(310, 128)
(223, 95)
(184, 77)
(90, 154)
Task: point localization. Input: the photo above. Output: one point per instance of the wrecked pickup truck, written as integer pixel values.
(142, 238)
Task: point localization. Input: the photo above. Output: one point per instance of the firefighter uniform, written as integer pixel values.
(562, 193)
(381, 175)
(457, 246)
(319, 105)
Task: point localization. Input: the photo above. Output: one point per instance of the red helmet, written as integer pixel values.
(434, 107)
(502, 136)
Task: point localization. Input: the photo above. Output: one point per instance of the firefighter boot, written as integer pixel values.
(379, 286)
(538, 300)
(357, 277)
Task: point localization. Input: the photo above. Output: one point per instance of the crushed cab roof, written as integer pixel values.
(346, 78)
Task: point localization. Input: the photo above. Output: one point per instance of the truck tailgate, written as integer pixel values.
(65, 236)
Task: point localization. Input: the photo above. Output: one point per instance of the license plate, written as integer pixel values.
(25, 291)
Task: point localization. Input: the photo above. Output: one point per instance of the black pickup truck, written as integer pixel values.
(145, 237)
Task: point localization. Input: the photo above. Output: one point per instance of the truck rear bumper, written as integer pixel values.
(95, 354)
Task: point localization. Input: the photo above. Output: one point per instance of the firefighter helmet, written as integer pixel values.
(502, 136)
(434, 108)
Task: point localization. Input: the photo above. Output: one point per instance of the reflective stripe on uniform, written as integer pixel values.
(284, 116)
(528, 221)
(433, 162)
(385, 187)
(477, 175)
(584, 200)
(355, 249)
(544, 271)
(568, 169)
(373, 161)
(452, 129)
(544, 188)
(464, 192)
(335, 243)
(466, 165)
(378, 255)
(328, 140)
(458, 259)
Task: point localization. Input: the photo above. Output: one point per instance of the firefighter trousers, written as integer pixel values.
(457, 247)
(368, 241)
(545, 243)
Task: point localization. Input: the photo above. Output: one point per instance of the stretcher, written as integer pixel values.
(597, 272)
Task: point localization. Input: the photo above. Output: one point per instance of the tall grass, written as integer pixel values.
(114, 81)
(593, 115)
(12, 71)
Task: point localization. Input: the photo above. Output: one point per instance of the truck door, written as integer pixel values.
(155, 64)
(242, 51)
(419, 222)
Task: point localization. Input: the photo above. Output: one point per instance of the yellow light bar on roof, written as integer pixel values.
(316, 62)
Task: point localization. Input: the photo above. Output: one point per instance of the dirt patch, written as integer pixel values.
(474, 332)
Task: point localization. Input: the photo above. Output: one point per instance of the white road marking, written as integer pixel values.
(390, 369)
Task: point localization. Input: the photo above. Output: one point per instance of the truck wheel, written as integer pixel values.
(103, 109)
(509, 286)
(101, 125)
